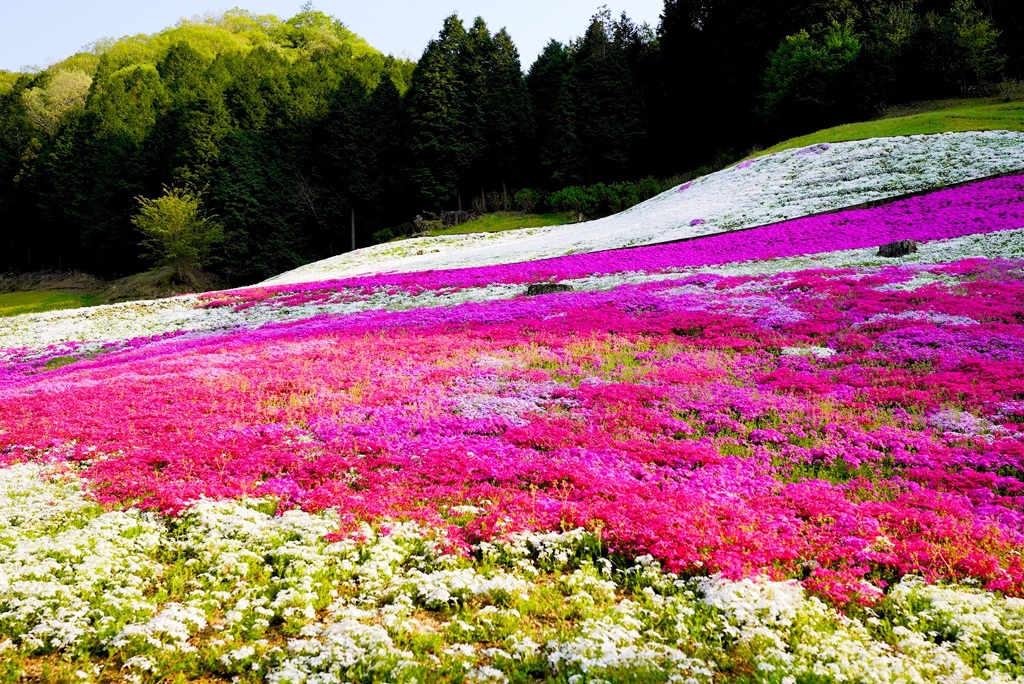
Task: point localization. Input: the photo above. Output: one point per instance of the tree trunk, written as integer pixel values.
(353, 229)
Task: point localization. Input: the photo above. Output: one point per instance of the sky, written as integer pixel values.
(37, 33)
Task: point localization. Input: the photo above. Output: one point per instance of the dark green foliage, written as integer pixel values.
(506, 116)
(362, 160)
(545, 83)
(441, 142)
(240, 106)
(814, 80)
(960, 49)
(469, 114)
(309, 142)
(744, 73)
(590, 104)
(600, 199)
(604, 97)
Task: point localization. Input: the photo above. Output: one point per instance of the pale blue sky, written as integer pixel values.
(40, 32)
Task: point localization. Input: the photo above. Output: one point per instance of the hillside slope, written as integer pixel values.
(782, 186)
(946, 117)
(763, 456)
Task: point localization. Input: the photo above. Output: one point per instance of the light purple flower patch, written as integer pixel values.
(813, 149)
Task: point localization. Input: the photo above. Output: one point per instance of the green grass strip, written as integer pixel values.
(966, 115)
(507, 220)
(17, 303)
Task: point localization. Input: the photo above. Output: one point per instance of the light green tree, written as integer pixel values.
(177, 231)
(65, 91)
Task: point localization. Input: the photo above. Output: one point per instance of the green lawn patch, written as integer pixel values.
(964, 115)
(15, 303)
(506, 220)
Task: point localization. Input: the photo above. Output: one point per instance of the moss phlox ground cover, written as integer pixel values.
(976, 208)
(700, 466)
(954, 222)
(228, 590)
(687, 404)
(779, 187)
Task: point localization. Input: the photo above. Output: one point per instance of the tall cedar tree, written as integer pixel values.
(507, 117)
(440, 117)
(545, 83)
(604, 104)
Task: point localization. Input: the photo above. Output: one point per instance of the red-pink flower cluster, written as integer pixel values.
(823, 425)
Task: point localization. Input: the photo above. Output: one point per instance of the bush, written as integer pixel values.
(498, 201)
(595, 201)
(575, 198)
(526, 200)
(1009, 90)
(176, 230)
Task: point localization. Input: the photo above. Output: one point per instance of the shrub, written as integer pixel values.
(176, 230)
(526, 200)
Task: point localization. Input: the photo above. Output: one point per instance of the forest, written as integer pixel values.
(298, 140)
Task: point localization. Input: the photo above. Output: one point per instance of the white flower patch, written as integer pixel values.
(800, 637)
(619, 642)
(505, 399)
(486, 673)
(549, 550)
(338, 648)
(169, 629)
(779, 187)
(916, 283)
(63, 562)
(810, 351)
(587, 585)
(445, 587)
(974, 618)
(936, 317)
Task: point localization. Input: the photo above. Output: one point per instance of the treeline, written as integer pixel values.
(294, 132)
(755, 71)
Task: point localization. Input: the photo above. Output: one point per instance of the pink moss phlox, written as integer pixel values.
(818, 425)
(981, 207)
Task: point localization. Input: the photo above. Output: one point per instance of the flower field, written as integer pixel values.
(764, 455)
(782, 186)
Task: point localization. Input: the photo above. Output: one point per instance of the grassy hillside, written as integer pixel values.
(506, 220)
(951, 116)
